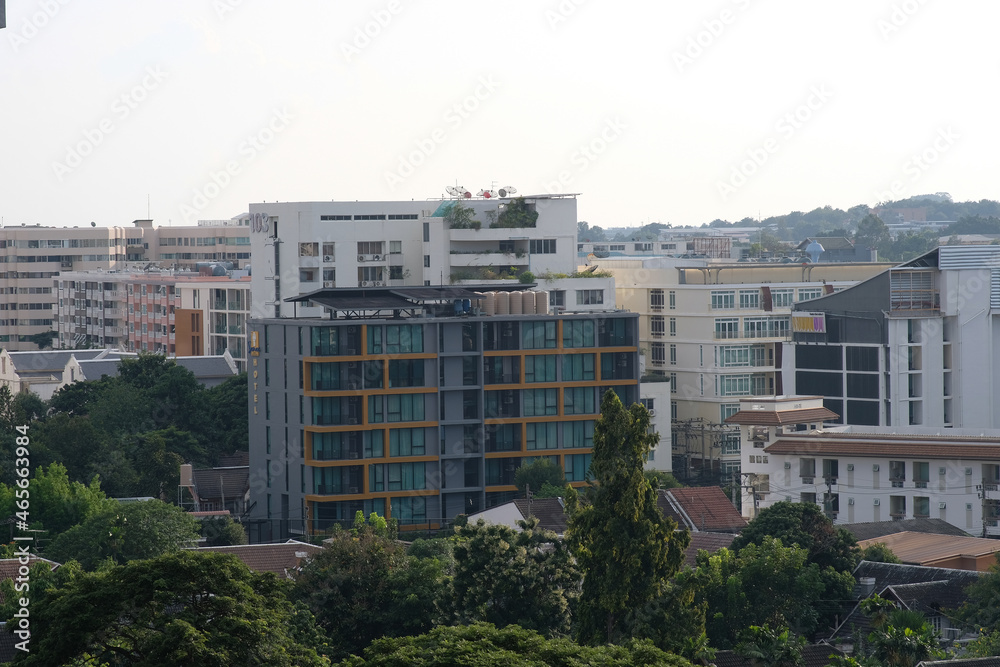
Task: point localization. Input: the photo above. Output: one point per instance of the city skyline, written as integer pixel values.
(654, 113)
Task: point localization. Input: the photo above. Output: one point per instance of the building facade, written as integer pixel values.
(864, 474)
(421, 417)
(300, 247)
(719, 332)
(914, 346)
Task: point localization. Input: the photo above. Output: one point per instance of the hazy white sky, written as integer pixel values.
(677, 112)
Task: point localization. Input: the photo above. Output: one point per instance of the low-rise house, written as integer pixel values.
(701, 509)
(225, 488)
(948, 551)
(283, 558)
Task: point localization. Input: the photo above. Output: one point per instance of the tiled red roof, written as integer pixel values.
(710, 542)
(9, 566)
(701, 508)
(278, 558)
(781, 417)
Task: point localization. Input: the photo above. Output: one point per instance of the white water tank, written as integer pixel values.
(517, 303)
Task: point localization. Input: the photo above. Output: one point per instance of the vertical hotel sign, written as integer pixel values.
(254, 348)
(809, 322)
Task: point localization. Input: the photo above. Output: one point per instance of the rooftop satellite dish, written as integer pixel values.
(453, 191)
(507, 191)
(93, 224)
(486, 194)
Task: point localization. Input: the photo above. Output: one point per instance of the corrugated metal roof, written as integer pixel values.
(968, 256)
(928, 549)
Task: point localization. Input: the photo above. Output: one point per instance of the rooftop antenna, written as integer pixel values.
(147, 206)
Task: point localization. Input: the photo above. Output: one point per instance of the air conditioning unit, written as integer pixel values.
(850, 501)
(376, 258)
(361, 258)
(876, 502)
(327, 283)
(379, 283)
(942, 505)
(327, 258)
(788, 466)
(652, 412)
(366, 283)
(850, 467)
(352, 489)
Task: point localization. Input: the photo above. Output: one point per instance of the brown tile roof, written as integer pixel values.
(846, 444)
(928, 549)
(9, 566)
(550, 513)
(870, 529)
(993, 661)
(781, 417)
(279, 558)
(710, 542)
(701, 508)
(813, 655)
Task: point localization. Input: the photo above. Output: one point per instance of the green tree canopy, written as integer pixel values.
(804, 525)
(182, 608)
(506, 577)
(872, 233)
(363, 586)
(483, 645)
(766, 646)
(624, 545)
(879, 553)
(537, 474)
(56, 504)
(125, 532)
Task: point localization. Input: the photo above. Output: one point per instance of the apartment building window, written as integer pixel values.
(395, 247)
(306, 276)
(806, 293)
(427, 232)
(734, 385)
(329, 277)
(577, 466)
(723, 299)
(734, 356)
(406, 441)
(406, 477)
(405, 407)
(897, 507)
(579, 401)
(782, 298)
(540, 368)
(727, 410)
(897, 473)
(673, 300)
(727, 327)
(542, 436)
(673, 326)
(673, 354)
(831, 470)
(329, 251)
(577, 367)
(308, 249)
(731, 444)
(542, 246)
(921, 507)
(578, 333)
(657, 353)
(540, 402)
(673, 383)
(538, 335)
(557, 298)
(589, 297)
(807, 470)
(656, 299)
(657, 325)
(427, 261)
(750, 299)
(921, 476)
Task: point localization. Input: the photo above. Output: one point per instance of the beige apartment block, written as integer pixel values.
(718, 331)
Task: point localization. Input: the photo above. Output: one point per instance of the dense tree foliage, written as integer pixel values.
(626, 548)
(804, 525)
(769, 584)
(508, 577)
(363, 586)
(537, 474)
(56, 504)
(183, 608)
(483, 645)
(124, 532)
(766, 646)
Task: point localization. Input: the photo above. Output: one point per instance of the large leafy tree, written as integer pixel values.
(538, 474)
(125, 532)
(768, 584)
(766, 646)
(625, 546)
(484, 645)
(185, 608)
(56, 504)
(506, 577)
(872, 233)
(363, 586)
(804, 525)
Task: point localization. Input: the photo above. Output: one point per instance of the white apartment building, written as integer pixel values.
(176, 313)
(300, 247)
(719, 331)
(32, 257)
(863, 474)
(916, 345)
